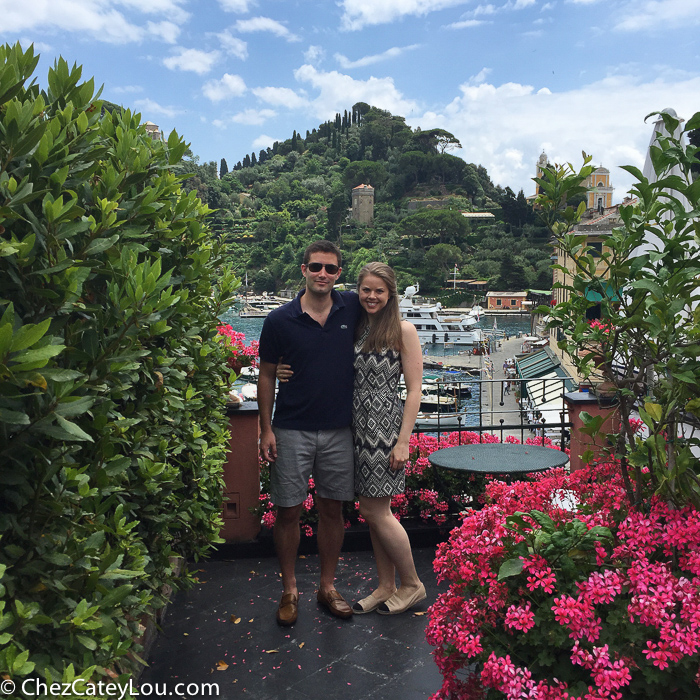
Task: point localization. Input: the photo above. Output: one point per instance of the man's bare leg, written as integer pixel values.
(286, 537)
(331, 531)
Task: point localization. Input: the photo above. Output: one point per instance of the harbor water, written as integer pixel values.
(511, 325)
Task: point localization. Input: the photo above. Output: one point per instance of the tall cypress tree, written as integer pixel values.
(223, 168)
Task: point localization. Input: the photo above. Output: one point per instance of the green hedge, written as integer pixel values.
(112, 423)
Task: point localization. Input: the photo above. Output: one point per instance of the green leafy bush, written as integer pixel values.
(112, 424)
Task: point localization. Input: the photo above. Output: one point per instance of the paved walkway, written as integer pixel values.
(496, 404)
(228, 621)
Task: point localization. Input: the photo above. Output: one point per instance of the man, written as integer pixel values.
(314, 334)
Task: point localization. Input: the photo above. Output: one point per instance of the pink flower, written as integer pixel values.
(520, 617)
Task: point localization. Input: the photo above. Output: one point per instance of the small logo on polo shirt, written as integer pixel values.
(344, 327)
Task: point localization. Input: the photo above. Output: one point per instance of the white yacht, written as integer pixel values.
(434, 326)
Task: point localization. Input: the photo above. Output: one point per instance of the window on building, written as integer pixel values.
(596, 248)
(513, 302)
(498, 302)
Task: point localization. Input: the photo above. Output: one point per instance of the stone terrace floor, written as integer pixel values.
(367, 657)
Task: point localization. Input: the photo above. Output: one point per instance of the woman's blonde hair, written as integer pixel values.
(385, 332)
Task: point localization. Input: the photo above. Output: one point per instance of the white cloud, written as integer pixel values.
(263, 141)
(229, 86)
(127, 89)
(167, 31)
(162, 8)
(485, 10)
(232, 45)
(75, 16)
(39, 46)
(314, 55)
(505, 128)
(491, 10)
(643, 15)
(280, 97)
(548, 6)
(149, 108)
(253, 116)
(265, 24)
(480, 77)
(362, 13)
(393, 52)
(239, 6)
(466, 24)
(194, 60)
(102, 20)
(337, 90)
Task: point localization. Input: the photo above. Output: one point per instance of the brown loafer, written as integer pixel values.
(334, 603)
(288, 609)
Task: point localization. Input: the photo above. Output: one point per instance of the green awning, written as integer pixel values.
(610, 292)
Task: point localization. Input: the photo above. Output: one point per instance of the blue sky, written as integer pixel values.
(509, 79)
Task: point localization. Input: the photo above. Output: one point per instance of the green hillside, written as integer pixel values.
(270, 205)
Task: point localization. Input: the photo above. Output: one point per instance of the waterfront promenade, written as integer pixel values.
(496, 405)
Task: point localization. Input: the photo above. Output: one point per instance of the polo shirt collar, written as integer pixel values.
(337, 297)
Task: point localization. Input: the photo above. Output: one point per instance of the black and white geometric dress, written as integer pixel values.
(377, 412)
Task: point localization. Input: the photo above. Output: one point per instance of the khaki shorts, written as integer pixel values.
(327, 455)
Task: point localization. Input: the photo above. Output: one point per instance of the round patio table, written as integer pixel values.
(498, 459)
(502, 458)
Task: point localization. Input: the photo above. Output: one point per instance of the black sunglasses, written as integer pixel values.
(317, 267)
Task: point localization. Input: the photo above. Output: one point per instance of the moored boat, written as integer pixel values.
(435, 327)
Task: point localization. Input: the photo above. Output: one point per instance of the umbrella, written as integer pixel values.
(652, 241)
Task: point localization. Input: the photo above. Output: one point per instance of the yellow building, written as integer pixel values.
(600, 191)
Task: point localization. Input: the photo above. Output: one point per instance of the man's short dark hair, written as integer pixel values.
(322, 247)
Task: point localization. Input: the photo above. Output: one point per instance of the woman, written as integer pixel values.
(385, 348)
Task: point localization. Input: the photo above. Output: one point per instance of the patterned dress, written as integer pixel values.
(377, 412)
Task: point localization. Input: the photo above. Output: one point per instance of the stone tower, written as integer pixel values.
(363, 204)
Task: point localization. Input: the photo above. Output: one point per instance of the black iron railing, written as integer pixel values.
(520, 407)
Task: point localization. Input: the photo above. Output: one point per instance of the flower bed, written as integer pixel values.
(238, 354)
(550, 604)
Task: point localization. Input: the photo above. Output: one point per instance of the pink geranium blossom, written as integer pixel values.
(637, 570)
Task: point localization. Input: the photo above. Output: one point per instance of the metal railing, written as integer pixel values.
(502, 407)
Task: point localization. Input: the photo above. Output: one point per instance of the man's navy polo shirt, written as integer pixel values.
(319, 394)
